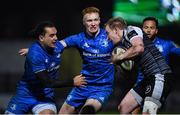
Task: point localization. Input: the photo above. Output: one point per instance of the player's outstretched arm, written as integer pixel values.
(23, 51)
(46, 81)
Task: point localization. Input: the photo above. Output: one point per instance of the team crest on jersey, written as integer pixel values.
(103, 42)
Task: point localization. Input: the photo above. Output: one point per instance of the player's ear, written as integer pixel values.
(116, 30)
(40, 37)
(156, 31)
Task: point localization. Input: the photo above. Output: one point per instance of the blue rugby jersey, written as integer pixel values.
(38, 60)
(96, 56)
(166, 47)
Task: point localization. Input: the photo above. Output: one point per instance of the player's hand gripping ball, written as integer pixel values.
(127, 64)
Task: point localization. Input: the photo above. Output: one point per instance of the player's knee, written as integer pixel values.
(67, 109)
(150, 107)
(47, 111)
(121, 109)
(88, 109)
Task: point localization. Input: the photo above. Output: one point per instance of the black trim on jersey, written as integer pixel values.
(132, 34)
(52, 83)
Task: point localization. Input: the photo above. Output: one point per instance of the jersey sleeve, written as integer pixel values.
(37, 61)
(59, 47)
(174, 48)
(134, 32)
(72, 40)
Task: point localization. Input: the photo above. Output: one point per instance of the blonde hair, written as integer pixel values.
(90, 10)
(116, 22)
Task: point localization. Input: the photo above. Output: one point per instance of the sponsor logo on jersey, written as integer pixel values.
(132, 34)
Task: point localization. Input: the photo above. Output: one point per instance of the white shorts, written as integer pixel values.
(40, 107)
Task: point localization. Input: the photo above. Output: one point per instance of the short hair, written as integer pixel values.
(116, 22)
(40, 29)
(90, 10)
(152, 19)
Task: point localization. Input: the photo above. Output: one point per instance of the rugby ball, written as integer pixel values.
(127, 64)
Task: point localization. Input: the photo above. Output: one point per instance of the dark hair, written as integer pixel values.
(116, 22)
(40, 29)
(152, 19)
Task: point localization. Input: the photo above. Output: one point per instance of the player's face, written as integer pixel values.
(91, 22)
(149, 27)
(49, 39)
(114, 34)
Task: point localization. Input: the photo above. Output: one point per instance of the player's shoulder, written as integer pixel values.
(75, 36)
(131, 28)
(132, 31)
(35, 49)
(167, 41)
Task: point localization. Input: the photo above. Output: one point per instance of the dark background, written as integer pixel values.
(19, 17)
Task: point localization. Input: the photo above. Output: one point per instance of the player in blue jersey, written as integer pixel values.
(157, 82)
(35, 91)
(95, 49)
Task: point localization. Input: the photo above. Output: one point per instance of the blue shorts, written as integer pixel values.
(24, 105)
(79, 95)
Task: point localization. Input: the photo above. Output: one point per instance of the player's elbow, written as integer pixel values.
(139, 49)
(47, 85)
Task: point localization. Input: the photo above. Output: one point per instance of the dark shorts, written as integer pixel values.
(156, 87)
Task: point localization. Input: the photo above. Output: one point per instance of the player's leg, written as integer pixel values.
(128, 104)
(91, 107)
(75, 100)
(133, 98)
(67, 109)
(137, 110)
(98, 96)
(156, 92)
(44, 108)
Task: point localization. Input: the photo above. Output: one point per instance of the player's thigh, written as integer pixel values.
(98, 96)
(95, 103)
(128, 104)
(67, 109)
(45, 108)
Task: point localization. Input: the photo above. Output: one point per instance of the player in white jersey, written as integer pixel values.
(155, 87)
